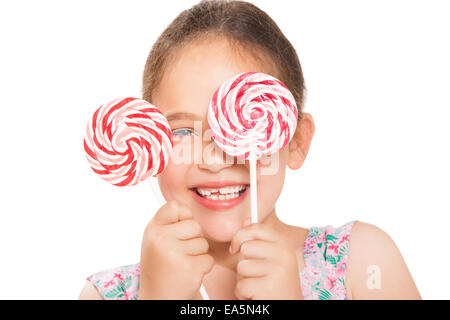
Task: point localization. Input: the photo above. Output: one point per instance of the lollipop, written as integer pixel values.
(128, 140)
(250, 115)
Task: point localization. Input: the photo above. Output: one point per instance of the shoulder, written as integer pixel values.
(366, 234)
(90, 292)
(120, 283)
(376, 268)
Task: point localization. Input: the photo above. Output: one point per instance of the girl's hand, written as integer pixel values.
(174, 255)
(267, 267)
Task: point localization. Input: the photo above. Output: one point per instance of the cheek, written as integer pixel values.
(172, 180)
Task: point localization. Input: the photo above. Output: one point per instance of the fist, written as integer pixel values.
(267, 268)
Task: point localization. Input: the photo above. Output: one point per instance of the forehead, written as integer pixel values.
(198, 69)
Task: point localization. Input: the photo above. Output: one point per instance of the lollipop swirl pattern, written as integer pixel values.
(128, 140)
(252, 113)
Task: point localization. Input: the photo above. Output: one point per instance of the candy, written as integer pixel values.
(252, 113)
(128, 140)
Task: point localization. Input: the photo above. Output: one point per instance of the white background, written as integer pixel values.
(378, 80)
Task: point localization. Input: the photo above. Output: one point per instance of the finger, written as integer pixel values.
(247, 288)
(253, 268)
(254, 231)
(185, 230)
(195, 246)
(172, 212)
(258, 249)
(203, 262)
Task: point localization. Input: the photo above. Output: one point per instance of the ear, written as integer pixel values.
(299, 145)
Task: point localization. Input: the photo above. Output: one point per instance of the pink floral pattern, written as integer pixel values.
(325, 252)
(120, 283)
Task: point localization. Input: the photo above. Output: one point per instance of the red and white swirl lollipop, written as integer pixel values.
(128, 140)
(250, 115)
(252, 111)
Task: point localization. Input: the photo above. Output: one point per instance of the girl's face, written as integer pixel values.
(197, 164)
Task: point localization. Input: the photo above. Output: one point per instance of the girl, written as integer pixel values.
(202, 235)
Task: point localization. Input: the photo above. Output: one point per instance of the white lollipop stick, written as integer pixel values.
(253, 189)
(203, 293)
(156, 191)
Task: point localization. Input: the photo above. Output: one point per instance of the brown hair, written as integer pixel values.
(241, 23)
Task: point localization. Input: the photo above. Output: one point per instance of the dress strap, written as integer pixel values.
(325, 252)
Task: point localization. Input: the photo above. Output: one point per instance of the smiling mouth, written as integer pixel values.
(224, 193)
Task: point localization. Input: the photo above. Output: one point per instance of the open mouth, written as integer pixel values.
(224, 193)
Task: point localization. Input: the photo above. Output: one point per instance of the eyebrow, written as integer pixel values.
(182, 115)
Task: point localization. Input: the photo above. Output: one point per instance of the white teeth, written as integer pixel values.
(223, 191)
(226, 190)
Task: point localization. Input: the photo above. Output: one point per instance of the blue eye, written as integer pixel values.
(183, 132)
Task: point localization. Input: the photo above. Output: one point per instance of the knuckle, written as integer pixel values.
(172, 204)
(184, 208)
(204, 244)
(194, 226)
(239, 234)
(209, 260)
(197, 266)
(160, 214)
(245, 248)
(241, 266)
(208, 263)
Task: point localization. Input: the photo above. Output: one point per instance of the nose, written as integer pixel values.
(215, 159)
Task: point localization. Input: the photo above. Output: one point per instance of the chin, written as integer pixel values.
(221, 231)
(220, 237)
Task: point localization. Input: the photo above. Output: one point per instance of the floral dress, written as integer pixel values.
(325, 252)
